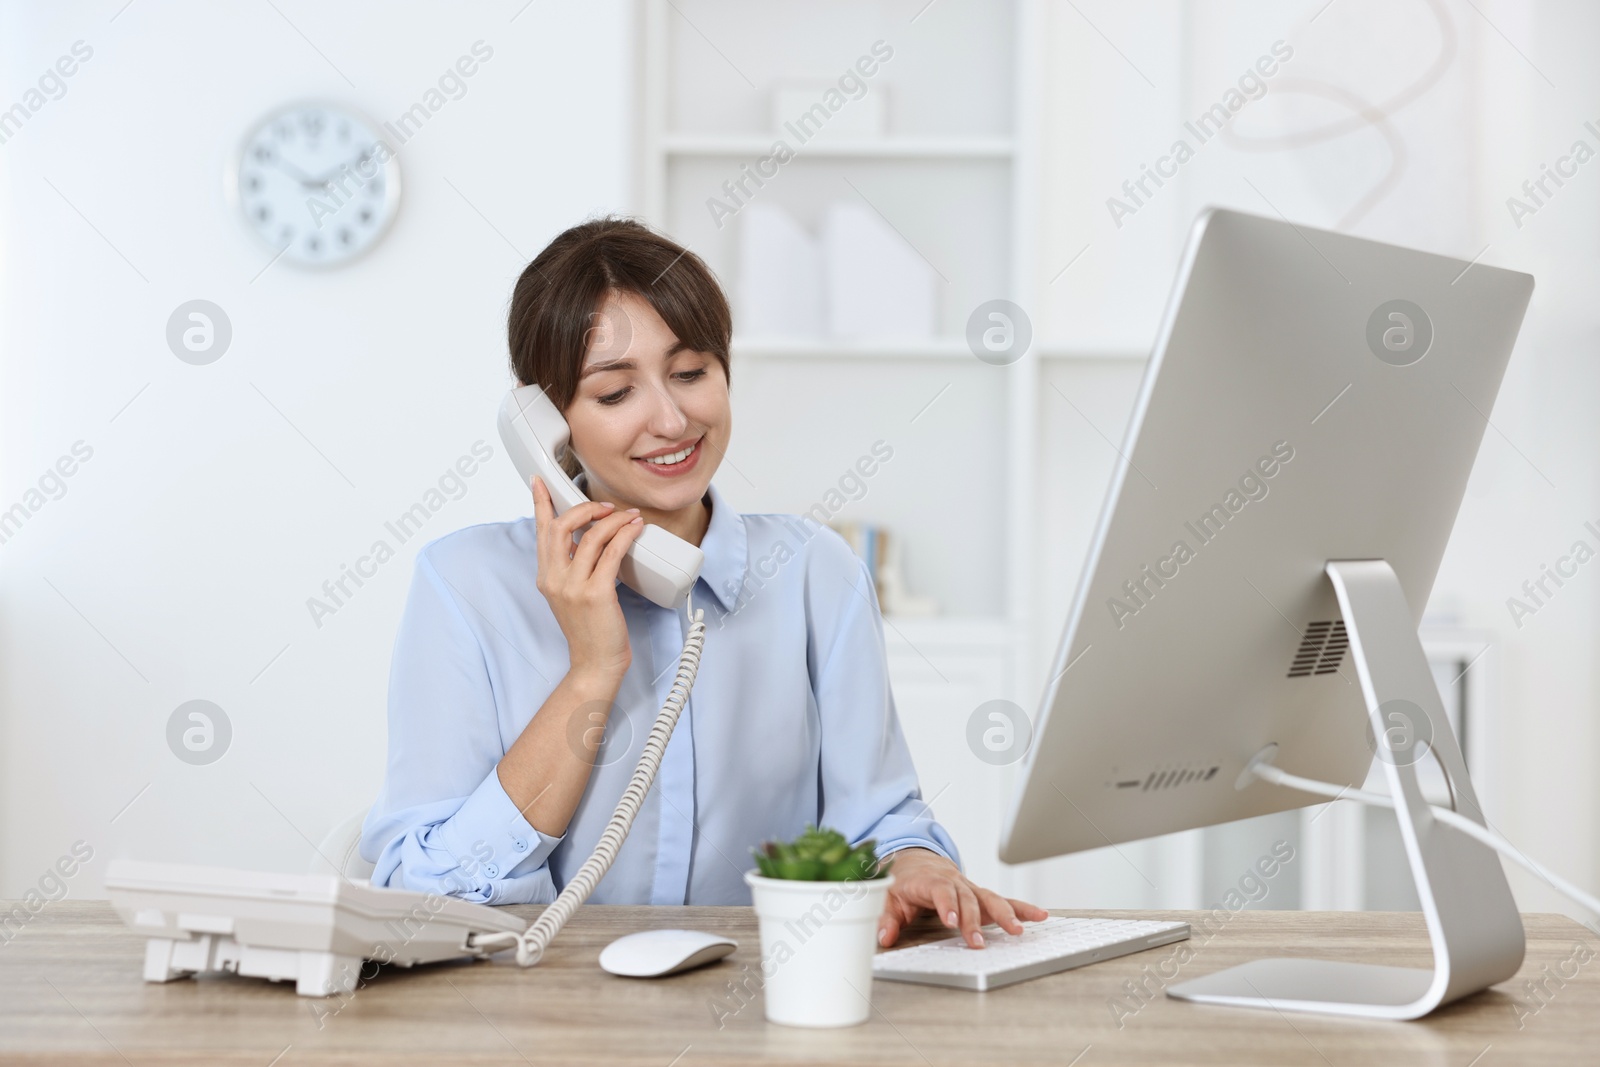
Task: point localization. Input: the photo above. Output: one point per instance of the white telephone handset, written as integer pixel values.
(660, 567)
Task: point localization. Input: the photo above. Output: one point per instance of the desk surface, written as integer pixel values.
(71, 992)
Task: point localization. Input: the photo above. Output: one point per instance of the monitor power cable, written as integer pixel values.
(1264, 770)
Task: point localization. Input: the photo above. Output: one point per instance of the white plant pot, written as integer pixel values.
(817, 943)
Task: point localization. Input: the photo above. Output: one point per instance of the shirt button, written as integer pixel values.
(491, 870)
(521, 845)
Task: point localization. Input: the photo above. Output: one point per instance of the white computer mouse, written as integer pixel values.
(657, 953)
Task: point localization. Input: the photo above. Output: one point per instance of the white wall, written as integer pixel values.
(178, 563)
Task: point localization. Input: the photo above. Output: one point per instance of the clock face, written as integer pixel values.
(318, 183)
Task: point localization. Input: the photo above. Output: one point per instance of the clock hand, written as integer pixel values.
(297, 174)
(327, 180)
(325, 183)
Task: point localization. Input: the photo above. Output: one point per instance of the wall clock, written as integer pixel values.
(317, 182)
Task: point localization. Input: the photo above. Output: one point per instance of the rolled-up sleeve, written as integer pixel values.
(443, 822)
(869, 783)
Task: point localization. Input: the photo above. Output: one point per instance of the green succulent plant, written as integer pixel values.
(820, 856)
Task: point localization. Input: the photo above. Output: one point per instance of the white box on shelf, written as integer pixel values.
(780, 274)
(877, 284)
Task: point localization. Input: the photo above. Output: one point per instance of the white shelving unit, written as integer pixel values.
(952, 173)
(710, 69)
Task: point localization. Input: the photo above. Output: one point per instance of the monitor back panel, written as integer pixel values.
(1287, 417)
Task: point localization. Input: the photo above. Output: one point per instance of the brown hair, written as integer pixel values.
(557, 296)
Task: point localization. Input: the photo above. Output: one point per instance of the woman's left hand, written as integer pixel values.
(925, 879)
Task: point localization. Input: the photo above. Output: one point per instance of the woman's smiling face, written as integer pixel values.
(644, 397)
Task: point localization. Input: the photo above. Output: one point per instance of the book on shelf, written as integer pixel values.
(879, 550)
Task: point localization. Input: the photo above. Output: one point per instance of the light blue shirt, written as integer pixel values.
(790, 721)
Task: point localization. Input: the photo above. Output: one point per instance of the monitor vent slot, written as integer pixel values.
(1321, 650)
(1171, 777)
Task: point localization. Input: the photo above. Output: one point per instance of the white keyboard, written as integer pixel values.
(1058, 943)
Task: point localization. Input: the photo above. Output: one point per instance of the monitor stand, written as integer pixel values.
(1473, 924)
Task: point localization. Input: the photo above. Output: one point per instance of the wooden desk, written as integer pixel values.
(71, 992)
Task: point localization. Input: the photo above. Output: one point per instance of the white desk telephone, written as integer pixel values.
(316, 929)
(659, 566)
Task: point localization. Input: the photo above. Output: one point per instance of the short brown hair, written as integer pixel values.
(557, 295)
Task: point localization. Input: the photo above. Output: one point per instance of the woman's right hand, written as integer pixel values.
(579, 580)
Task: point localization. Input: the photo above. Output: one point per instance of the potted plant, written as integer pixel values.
(818, 900)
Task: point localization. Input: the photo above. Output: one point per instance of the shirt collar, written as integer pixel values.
(725, 546)
(727, 551)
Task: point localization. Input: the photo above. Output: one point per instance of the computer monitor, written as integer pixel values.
(1295, 461)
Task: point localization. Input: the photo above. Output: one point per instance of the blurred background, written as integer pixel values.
(218, 398)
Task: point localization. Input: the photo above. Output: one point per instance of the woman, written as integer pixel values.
(525, 678)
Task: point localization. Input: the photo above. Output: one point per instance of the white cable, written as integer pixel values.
(532, 942)
(1277, 776)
